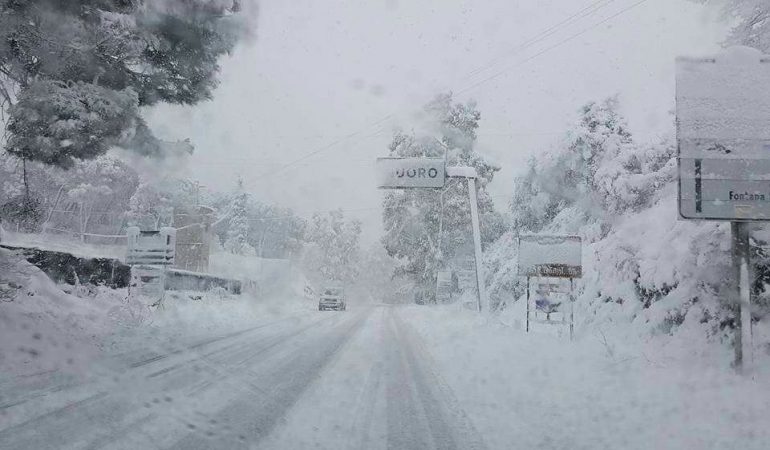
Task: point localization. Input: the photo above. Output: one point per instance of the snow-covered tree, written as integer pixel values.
(751, 19)
(376, 281)
(598, 171)
(334, 251)
(424, 228)
(74, 74)
(97, 188)
(150, 208)
(275, 232)
(237, 240)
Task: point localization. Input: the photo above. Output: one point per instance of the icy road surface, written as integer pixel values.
(360, 379)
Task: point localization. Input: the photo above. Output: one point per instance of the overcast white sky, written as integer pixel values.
(320, 76)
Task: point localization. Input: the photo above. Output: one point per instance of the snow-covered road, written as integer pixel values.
(357, 379)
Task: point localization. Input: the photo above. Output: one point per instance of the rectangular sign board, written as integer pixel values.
(407, 173)
(152, 248)
(148, 281)
(723, 136)
(550, 256)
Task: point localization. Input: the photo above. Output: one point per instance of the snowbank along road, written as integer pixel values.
(360, 379)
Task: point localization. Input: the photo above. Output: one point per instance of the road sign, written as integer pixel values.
(723, 137)
(405, 173)
(153, 248)
(550, 256)
(723, 134)
(148, 281)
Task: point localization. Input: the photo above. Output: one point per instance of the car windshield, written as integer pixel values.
(384, 224)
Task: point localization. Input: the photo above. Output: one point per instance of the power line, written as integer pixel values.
(268, 175)
(585, 12)
(558, 44)
(322, 149)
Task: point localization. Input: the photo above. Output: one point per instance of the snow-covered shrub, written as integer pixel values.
(642, 265)
(500, 267)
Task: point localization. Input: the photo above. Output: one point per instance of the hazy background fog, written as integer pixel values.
(331, 79)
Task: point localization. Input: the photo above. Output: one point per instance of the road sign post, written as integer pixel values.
(150, 253)
(411, 173)
(723, 140)
(551, 257)
(742, 292)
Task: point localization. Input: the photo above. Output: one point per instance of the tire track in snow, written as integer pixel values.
(253, 417)
(119, 405)
(422, 410)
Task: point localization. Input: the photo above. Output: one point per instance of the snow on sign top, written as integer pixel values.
(550, 256)
(723, 133)
(153, 248)
(405, 173)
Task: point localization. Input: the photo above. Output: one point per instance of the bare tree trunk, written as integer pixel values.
(24, 178)
(55, 205)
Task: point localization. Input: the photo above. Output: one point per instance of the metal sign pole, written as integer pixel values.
(482, 297)
(742, 276)
(527, 326)
(571, 309)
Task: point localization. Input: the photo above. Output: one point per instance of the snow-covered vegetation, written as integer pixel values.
(644, 269)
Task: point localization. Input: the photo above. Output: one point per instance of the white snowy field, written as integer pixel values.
(606, 389)
(45, 326)
(280, 374)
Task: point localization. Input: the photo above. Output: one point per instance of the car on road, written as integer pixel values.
(332, 298)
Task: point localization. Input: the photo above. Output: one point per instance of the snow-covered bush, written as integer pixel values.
(642, 265)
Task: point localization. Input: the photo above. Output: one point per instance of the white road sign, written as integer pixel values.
(723, 133)
(153, 248)
(404, 173)
(550, 256)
